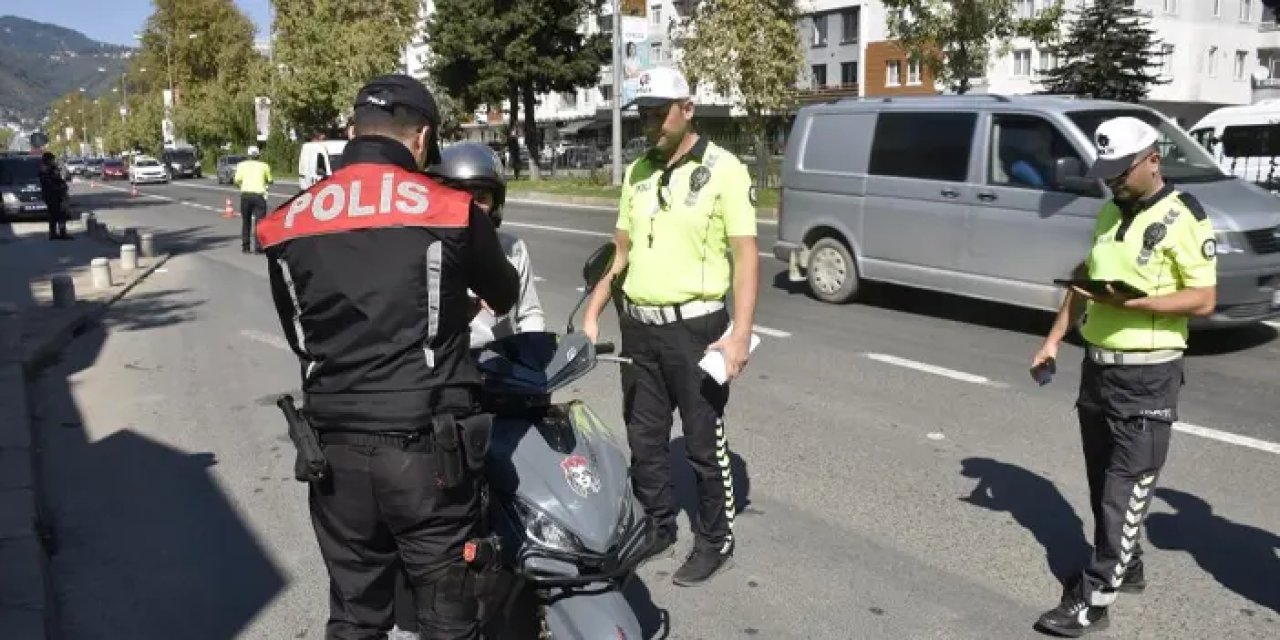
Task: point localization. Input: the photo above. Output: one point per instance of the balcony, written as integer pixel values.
(828, 92)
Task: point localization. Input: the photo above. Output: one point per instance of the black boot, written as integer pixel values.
(1073, 617)
(1134, 579)
(704, 563)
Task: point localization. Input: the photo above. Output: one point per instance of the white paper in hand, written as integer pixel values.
(713, 361)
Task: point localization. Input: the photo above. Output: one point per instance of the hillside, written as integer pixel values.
(39, 62)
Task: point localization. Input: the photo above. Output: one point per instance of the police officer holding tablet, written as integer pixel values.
(1159, 243)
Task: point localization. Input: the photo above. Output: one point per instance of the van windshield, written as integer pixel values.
(1181, 159)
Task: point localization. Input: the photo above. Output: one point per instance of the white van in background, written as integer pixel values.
(1245, 141)
(318, 160)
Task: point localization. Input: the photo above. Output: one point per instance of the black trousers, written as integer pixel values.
(382, 515)
(1126, 419)
(57, 217)
(664, 377)
(253, 207)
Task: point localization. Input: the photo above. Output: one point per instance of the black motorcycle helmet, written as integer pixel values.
(471, 166)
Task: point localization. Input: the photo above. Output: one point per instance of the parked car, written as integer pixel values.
(76, 166)
(318, 160)
(227, 168)
(922, 192)
(20, 194)
(93, 167)
(1245, 140)
(182, 162)
(147, 169)
(114, 169)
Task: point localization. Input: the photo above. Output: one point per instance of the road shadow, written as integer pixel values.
(143, 541)
(686, 487)
(1229, 341)
(1037, 505)
(943, 306)
(655, 623)
(994, 315)
(1241, 557)
(193, 239)
(82, 201)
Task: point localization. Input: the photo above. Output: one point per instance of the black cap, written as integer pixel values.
(386, 92)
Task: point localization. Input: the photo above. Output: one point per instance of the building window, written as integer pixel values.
(1212, 63)
(848, 73)
(1170, 6)
(655, 52)
(1246, 10)
(1217, 8)
(820, 30)
(1241, 58)
(1022, 62)
(569, 100)
(819, 76)
(1166, 60)
(655, 15)
(1026, 8)
(849, 25)
(1047, 61)
(893, 73)
(913, 72)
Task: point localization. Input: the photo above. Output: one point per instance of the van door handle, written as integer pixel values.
(986, 196)
(950, 193)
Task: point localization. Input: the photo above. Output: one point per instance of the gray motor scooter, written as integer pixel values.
(568, 532)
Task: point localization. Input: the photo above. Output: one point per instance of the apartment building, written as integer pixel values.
(1266, 78)
(1210, 53)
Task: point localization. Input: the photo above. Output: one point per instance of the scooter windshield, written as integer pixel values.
(537, 362)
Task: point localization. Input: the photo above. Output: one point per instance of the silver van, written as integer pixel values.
(984, 196)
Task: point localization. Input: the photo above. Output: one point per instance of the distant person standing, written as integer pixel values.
(252, 176)
(54, 191)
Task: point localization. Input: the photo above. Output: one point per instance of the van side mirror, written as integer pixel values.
(1068, 174)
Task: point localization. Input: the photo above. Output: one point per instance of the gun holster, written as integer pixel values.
(310, 464)
(460, 445)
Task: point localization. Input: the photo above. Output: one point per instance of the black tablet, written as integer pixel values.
(1099, 287)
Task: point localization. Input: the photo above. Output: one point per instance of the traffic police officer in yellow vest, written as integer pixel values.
(1161, 243)
(253, 176)
(686, 233)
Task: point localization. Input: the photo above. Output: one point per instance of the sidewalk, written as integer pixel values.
(32, 333)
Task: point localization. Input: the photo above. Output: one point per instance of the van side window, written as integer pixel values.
(933, 146)
(1251, 141)
(322, 168)
(1024, 150)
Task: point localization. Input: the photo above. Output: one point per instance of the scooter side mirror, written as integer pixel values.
(598, 265)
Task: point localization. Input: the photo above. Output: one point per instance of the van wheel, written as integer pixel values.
(833, 276)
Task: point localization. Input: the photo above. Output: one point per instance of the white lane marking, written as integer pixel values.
(539, 279)
(773, 333)
(543, 227)
(1229, 438)
(936, 435)
(265, 338)
(214, 187)
(581, 289)
(933, 369)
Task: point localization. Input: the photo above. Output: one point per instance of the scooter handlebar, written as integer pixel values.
(604, 348)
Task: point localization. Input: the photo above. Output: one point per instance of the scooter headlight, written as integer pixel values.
(540, 528)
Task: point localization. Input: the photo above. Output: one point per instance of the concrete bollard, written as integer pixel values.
(130, 236)
(128, 257)
(148, 245)
(10, 332)
(87, 219)
(101, 270)
(64, 291)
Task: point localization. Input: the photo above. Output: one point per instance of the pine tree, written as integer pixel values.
(1111, 53)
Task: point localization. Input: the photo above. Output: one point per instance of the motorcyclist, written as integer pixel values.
(473, 167)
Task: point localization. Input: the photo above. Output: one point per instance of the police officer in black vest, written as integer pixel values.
(369, 272)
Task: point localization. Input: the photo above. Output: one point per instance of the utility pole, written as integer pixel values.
(617, 93)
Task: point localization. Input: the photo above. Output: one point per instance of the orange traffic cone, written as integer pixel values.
(133, 190)
(227, 211)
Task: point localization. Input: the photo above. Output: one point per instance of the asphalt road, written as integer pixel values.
(904, 478)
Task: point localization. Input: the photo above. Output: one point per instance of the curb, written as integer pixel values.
(28, 604)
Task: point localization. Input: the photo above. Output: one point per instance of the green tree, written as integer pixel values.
(954, 39)
(327, 49)
(6, 137)
(1110, 53)
(514, 50)
(748, 49)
